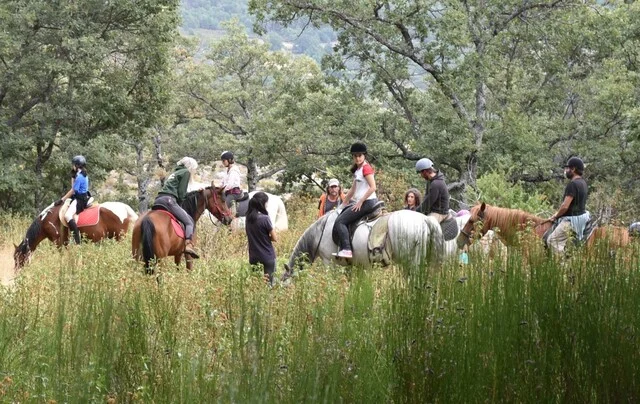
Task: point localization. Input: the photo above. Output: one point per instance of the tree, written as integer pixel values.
(71, 73)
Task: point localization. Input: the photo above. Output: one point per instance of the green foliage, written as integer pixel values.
(494, 189)
(72, 73)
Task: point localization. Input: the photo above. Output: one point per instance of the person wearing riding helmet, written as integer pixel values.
(172, 195)
(231, 181)
(436, 195)
(79, 194)
(363, 191)
(572, 215)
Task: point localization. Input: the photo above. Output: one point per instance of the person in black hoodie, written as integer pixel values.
(436, 195)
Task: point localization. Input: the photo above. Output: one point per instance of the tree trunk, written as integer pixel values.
(142, 178)
(252, 174)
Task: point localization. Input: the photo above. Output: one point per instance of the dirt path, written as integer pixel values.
(6, 266)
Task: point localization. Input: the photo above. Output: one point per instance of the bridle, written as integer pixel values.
(214, 198)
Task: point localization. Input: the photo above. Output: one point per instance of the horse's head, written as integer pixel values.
(477, 216)
(217, 205)
(21, 255)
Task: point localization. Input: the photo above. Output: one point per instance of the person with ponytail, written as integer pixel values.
(261, 235)
(79, 194)
(363, 191)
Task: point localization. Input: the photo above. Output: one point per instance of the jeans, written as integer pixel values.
(341, 227)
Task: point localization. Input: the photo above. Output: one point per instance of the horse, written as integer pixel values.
(512, 221)
(108, 220)
(412, 238)
(154, 236)
(275, 209)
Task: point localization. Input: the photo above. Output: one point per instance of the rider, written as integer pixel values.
(634, 229)
(572, 214)
(173, 194)
(331, 198)
(363, 191)
(231, 181)
(436, 195)
(79, 194)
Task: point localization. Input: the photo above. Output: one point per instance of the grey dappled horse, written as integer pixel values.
(413, 238)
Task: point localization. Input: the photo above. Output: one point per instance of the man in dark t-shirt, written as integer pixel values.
(572, 215)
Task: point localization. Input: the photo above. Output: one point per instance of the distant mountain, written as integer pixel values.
(204, 18)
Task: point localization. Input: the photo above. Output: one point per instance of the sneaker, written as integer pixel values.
(189, 249)
(345, 254)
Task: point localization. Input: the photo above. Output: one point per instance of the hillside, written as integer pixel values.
(204, 18)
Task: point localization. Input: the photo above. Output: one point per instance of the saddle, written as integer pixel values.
(90, 216)
(589, 228)
(177, 225)
(449, 228)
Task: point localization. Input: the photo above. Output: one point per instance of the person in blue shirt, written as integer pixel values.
(79, 194)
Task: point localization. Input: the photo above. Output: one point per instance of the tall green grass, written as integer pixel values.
(85, 325)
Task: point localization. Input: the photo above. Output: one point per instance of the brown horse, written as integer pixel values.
(153, 233)
(113, 219)
(512, 221)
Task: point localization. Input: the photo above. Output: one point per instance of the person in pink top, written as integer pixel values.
(362, 192)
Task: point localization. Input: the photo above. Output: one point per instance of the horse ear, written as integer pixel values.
(483, 207)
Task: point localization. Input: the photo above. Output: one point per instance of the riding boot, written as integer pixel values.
(76, 233)
(190, 249)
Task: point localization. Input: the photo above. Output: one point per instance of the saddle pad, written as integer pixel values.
(379, 233)
(89, 217)
(377, 242)
(177, 226)
(449, 228)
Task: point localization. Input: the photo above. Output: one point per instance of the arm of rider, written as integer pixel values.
(563, 208)
(428, 202)
(351, 192)
(372, 188)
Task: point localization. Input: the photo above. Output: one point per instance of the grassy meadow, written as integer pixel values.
(86, 325)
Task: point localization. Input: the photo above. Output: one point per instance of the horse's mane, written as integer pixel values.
(190, 203)
(507, 218)
(32, 234)
(308, 242)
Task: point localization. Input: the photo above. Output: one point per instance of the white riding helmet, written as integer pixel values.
(423, 164)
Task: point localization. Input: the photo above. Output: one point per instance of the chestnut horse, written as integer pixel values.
(153, 234)
(113, 222)
(512, 221)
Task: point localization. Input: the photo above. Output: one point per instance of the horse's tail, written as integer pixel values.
(148, 231)
(282, 220)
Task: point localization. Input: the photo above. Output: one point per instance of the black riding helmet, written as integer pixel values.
(359, 148)
(226, 155)
(79, 161)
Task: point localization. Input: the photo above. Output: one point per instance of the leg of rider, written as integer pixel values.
(230, 200)
(69, 216)
(348, 216)
(187, 220)
(439, 217)
(558, 239)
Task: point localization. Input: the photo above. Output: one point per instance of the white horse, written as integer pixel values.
(412, 238)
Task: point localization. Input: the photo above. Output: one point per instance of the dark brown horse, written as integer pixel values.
(154, 236)
(113, 219)
(512, 221)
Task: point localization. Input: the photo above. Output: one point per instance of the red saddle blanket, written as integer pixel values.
(177, 226)
(89, 216)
